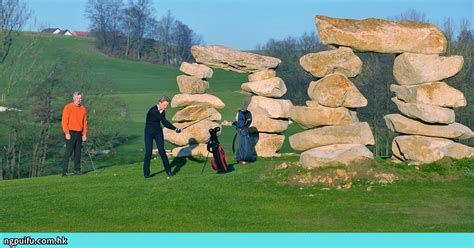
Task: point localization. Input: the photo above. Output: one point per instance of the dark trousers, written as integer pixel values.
(160, 144)
(73, 145)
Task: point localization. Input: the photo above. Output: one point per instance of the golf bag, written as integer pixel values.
(218, 161)
(246, 149)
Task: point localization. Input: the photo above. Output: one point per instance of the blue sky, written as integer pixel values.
(242, 24)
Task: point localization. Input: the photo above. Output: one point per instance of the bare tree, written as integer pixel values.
(309, 42)
(9, 153)
(411, 15)
(465, 35)
(184, 39)
(13, 15)
(42, 95)
(448, 29)
(137, 20)
(290, 50)
(464, 46)
(105, 17)
(164, 37)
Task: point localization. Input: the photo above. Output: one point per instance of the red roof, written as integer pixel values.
(82, 34)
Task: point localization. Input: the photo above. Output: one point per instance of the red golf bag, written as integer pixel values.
(219, 162)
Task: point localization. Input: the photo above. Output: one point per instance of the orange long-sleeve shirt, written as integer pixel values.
(74, 118)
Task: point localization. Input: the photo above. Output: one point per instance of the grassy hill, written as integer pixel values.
(252, 198)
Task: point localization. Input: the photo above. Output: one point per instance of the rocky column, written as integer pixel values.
(427, 103)
(198, 112)
(270, 115)
(334, 133)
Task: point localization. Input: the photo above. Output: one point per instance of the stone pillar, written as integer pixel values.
(427, 118)
(198, 113)
(334, 133)
(270, 115)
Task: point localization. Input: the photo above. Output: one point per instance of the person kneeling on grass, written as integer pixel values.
(153, 130)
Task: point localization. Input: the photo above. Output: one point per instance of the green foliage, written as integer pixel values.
(437, 168)
(465, 166)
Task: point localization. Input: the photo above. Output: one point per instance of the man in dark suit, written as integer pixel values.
(153, 130)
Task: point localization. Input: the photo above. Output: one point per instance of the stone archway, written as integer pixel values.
(334, 132)
(427, 124)
(270, 115)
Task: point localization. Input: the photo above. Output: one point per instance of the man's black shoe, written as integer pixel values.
(78, 173)
(147, 176)
(170, 174)
(64, 174)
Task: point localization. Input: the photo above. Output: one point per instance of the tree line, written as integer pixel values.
(376, 76)
(132, 31)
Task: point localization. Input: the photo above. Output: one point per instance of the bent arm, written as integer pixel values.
(166, 123)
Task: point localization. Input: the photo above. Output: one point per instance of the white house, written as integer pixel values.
(51, 30)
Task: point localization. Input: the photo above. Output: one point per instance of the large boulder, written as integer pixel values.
(265, 124)
(342, 60)
(262, 75)
(273, 108)
(425, 112)
(232, 60)
(401, 124)
(197, 70)
(192, 85)
(194, 134)
(410, 68)
(197, 112)
(382, 36)
(334, 154)
(193, 150)
(272, 87)
(436, 93)
(318, 115)
(268, 144)
(352, 113)
(336, 90)
(183, 100)
(427, 149)
(357, 133)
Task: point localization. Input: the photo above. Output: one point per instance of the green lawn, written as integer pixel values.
(249, 199)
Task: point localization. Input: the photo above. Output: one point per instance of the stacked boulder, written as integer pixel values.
(426, 102)
(269, 114)
(198, 113)
(334, 133)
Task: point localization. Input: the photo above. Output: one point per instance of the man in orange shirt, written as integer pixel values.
(74, 123)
